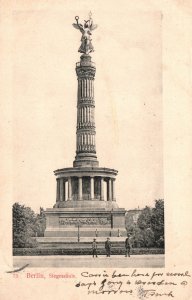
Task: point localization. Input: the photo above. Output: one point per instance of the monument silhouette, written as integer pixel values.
(86, 206)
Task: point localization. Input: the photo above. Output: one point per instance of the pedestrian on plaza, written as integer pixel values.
(128, 245)
(108, 247)
(94, 248)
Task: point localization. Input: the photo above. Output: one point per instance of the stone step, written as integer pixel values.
(78, 246)
(88, 240)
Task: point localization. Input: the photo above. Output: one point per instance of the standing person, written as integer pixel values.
(108, 247)
(127, 246)
(94, 248)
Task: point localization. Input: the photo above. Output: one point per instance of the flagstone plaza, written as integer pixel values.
(85, 261)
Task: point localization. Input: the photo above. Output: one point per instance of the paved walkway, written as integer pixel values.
(67, 261)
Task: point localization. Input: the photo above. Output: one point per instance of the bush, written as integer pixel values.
(83, 251)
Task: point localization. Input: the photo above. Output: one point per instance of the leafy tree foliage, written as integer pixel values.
(148, 231)
(129, 223)
(144, 220)
(40, 223)
(26, 225)
(157, 221)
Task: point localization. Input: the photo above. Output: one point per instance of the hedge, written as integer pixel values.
(82, 251)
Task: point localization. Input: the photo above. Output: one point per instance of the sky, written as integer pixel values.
(128, 99)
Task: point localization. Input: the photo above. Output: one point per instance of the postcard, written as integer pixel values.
(96, 150)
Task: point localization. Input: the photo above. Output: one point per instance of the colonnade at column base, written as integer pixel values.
(85, 183)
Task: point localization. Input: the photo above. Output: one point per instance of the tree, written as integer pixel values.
(129, 223)
(157, 222)
(149, 238)
(40, 223)
(137, 238)
(144, 220)
(149, 229)
(23, 226)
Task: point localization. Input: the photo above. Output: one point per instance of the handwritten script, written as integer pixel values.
(144, 285)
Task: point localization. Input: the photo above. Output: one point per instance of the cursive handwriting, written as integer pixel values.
(144, 284)
(142, 293)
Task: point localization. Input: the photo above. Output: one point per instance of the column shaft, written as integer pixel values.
(61, 189)
(58, 190)
(85, 114)
(86, 88)
(102, 188)
(85, 152)
(65, 184)
(81, 115)
(91, 115)
(109, 190)
(78, 90)
(88, 114)
(92, 187)
(81, 88)
(113, 190)
(80, 188)
(69, 188)
(91, 88)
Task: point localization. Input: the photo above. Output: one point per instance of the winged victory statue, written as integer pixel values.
(86, 44)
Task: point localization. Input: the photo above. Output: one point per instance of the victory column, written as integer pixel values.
(86, 204)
